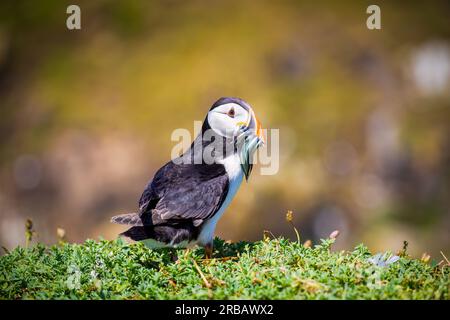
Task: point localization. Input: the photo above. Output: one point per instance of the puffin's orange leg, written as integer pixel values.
(208, 251)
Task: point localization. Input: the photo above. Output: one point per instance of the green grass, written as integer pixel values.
(268, 269)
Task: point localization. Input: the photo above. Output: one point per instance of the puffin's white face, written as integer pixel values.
(227, 118)
(233, 120)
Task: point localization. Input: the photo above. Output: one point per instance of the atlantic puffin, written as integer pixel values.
(181, 205)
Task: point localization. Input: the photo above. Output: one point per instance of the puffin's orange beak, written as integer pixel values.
(259, 130)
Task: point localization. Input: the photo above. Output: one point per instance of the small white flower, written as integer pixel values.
(383, 260)
(74, 279)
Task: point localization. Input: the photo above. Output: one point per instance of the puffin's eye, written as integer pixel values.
(231, 112)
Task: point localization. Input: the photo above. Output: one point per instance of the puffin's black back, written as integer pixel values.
(177, 201)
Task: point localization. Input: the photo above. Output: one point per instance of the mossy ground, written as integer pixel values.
(268, 269)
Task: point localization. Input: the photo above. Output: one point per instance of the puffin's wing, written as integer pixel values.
(147, 197)
(184, 192)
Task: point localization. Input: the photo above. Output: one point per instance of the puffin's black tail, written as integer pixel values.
(133, 219)
(138, 233)
(173, 234)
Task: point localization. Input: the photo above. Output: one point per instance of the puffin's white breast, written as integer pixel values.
(235, 175)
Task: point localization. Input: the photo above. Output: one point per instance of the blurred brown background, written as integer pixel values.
(86, 116)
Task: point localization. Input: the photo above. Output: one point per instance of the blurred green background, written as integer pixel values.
(86, 116)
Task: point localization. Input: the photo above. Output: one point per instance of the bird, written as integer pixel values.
(181, 205)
